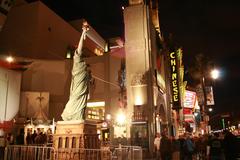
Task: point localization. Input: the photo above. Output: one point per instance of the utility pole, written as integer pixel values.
(204, 106)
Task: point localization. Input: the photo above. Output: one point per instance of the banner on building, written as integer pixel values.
(200, 96)
(34, 105)
(209, 95)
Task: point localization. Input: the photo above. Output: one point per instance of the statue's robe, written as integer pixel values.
(75, 107)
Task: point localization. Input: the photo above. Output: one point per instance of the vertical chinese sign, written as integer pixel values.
(174, 81)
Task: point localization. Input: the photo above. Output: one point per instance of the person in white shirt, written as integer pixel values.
(157, 145)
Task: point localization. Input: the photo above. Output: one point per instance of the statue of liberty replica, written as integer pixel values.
(76, 105)
(73, 131)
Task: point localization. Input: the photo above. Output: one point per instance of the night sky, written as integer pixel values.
(211, 28)
(106, 16)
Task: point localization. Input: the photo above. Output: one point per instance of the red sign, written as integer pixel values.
(6, 125)
(187, 111)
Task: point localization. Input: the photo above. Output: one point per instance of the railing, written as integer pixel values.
(126, 152)
(139, 116)
(83, 154)
(20, 152)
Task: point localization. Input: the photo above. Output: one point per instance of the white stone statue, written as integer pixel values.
(76, 105)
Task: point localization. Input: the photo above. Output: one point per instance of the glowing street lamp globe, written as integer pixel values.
(9, 59)
(215, 74)
(108, 117)
(120, 118)
(210, 109)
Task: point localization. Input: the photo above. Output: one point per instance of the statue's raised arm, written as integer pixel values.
(85, 28)
(76, 105)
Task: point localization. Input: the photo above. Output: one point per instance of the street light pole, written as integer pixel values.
(204, 106)
(214, 75)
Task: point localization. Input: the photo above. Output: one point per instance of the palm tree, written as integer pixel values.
(198, 69)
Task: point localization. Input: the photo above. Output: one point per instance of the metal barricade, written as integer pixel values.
(21, 152)
(83, 154)
(126, 152)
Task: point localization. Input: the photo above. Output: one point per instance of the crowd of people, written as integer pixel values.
(36, 138)
(216, 146)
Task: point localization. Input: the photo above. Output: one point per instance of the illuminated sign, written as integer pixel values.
(189, 99)
(174, 81)
(96, 104)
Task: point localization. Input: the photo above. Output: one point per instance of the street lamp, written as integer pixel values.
(9, 59)
(121, 118)
(108, 117)
(210, 109)
(215, 74)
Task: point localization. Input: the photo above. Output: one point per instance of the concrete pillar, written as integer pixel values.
(56, 142)
(77, 141)
(63, 142)
(70, 142)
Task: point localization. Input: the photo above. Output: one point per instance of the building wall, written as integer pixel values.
(34, 104)
(98, 69)
(33, 30)
(115, 64)
(91, 34)
(55, 33)
(49, 76)
(105, 71)
(10, 82)
(2, 20)
(54, 76)
(5, 6)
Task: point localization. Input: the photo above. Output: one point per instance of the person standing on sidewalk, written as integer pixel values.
(188, 147)
(230, 146)
(157, 146)
(165, 148)
(215, 148)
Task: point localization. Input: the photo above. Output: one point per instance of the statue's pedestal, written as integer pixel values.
(75, 134)
(73, 138)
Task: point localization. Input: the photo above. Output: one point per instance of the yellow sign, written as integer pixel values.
(174, 81)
